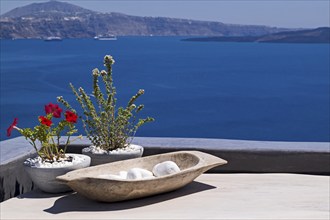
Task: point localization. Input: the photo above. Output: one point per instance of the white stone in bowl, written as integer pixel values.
(138, 173)
(165, 168)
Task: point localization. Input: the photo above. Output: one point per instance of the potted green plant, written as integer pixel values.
(110, 129)
(52, 159)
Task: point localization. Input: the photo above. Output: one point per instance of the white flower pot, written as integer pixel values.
(100, 156)
(44, 175)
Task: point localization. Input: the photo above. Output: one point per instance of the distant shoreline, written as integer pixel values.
(315, 36)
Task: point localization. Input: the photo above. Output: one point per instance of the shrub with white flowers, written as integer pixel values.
(106, 126)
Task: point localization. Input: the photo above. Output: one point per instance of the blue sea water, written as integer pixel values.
(251, 91)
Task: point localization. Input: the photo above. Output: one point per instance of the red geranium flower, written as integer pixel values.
(11, 127)
(71, 117)
(54, 109)
(45, 121)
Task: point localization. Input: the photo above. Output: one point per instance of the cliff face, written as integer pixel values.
(318, 35)
(40, 20)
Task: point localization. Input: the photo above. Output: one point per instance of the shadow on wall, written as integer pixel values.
(13, 180)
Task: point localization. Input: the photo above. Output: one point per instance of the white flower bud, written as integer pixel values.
(103, 73)
(108, 60)
(96, 72)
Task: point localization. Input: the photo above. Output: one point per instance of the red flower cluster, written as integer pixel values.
(11, 127)
(54, 109)
(45, 121)
(71, 117)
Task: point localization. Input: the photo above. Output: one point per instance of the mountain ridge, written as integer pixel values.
(46, 7)
(65, 20)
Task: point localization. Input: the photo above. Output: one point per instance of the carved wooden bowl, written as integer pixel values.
(87, 183)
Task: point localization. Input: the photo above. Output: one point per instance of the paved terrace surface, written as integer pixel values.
(210, 196)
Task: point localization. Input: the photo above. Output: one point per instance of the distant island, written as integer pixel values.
(64, 20)
(318, 35)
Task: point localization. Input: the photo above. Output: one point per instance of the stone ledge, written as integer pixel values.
(242, 156)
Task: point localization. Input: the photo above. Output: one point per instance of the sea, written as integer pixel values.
(245, 91)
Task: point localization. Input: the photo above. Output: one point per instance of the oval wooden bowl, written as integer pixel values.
(87, 183)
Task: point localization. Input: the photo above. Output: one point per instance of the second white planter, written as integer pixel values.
(99, 156)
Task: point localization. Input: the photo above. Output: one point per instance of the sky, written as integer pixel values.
(277, 13)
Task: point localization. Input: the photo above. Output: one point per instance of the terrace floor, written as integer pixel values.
(210, 196)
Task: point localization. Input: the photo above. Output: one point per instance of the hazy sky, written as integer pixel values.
(280, 13)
